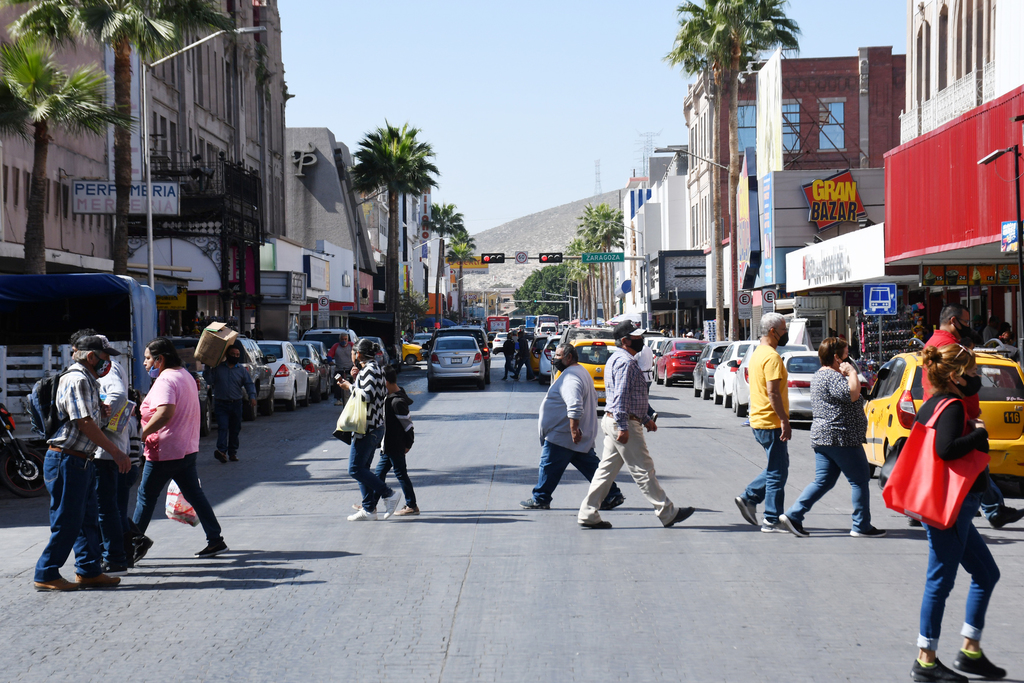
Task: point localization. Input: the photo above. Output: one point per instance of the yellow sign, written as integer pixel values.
(471, 264)
(172, 303)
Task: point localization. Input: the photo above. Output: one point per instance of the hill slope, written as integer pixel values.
(548, 230)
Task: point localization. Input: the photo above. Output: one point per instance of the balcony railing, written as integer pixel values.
(989, 83)
(963, 95)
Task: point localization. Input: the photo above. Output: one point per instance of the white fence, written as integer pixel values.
(974, 89)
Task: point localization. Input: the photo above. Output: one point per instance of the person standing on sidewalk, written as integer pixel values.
(342, 355)
(231, 385)
(769, 419)
(70, 476)
(624, 442)
(837, 435)
(399, 436)
(568, 427)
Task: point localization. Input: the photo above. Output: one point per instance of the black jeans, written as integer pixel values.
(397, 460)
(108, 483)
(156, 475)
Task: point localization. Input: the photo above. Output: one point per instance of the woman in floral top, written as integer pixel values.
(837, 433)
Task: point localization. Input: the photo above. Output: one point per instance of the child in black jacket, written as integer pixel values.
(398, 439)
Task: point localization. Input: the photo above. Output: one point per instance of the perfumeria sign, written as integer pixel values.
(834, 200)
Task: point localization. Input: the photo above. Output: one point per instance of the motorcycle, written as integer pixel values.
(21, 467)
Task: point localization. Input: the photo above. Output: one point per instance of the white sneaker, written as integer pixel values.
(390, 504)
(363, 516)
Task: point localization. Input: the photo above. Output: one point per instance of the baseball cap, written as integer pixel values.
(627, 329)
(96, 342)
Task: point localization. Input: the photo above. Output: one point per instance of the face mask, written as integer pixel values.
(101, 368)
(233, 359)
(154, 372)
(973, 386)
(784, 339)
(958, 326)
(636, 343)
(559, 364)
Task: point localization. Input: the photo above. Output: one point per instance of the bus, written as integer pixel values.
(547, 324)
(497, 323)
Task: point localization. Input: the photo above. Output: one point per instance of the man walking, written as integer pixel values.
(624, 442)
(568, 427)
(342, 355)
(523, 355)
(69, 473)
(769, 418)
(231, 385)
(508, 350)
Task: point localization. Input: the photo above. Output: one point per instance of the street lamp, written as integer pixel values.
(147, 162)
(985, 161)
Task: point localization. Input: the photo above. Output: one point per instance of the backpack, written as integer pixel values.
(42, 406)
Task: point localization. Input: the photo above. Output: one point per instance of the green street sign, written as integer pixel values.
(604, 257)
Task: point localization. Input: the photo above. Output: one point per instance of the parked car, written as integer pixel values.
(800, 368)
(499, 341)
(571, 334)
(412, 353)
(383, 357)
(704, 372)
(262, 378)
(421, 338)
(593, 354)
(676, 360)
(329, 337)
(475, 332)
(725, 374)
(547, 355)
(318, 367)
(195, 368)
(536, 351)
(741, 389)
(455, 359)
(291, 380)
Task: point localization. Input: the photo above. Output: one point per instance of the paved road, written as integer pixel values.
(478, 589)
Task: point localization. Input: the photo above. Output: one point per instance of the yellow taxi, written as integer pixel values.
(411, 353)
(593, 354)
(892, 404)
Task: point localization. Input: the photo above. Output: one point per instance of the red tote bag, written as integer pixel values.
(926, 487)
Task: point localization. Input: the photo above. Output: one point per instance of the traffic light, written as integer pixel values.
(551, 257)
(492, 258)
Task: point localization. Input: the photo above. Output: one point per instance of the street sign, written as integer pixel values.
(746, 306)
(768, 300)
(323, 311)
(880, 299)
(522, 257)
(604, 257)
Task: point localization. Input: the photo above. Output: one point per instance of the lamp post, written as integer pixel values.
(147, 162)
(1015, 150)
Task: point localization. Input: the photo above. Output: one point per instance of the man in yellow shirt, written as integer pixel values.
(769, 418)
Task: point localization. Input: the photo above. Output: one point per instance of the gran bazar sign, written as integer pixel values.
(834, 200)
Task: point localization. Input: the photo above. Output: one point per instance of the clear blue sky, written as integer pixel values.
(519, 99)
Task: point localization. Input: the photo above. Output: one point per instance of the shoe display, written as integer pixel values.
(114, 569)
(748, 510)
(795, 527)
(98, 581)
(612, 503)
(939, 672)
(596, 525)
(390, 504)
(773, 527)
(363, 516)
(870, 533)
(58, 584)
(681, 514)
(405, 511)
(978, 667)
(233, 457)
(1005, 515)
(213, 549)
(532, 504)
(142, 546)
(220, 456)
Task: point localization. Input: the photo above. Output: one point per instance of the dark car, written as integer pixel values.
(704, 371)
(261, 378)
(188, 344)
(477, 333)
(320, 381)
(383, 356)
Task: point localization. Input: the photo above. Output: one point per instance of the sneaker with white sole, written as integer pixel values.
(363, 516)
(748, 510)
(213, 549)
(391, 503)
(773, 527)
(795, 527)
(870, 533)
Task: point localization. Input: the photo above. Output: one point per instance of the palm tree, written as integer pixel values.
(445, 221)
(602, 226)
(37, 95)
(460, 252)
(153, 28)
(392, 159)
(580, 274)
(722, 37)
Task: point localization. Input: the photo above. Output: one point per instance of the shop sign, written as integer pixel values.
(172, 303)
(1003, 275)
(99, 197)
(856, 256)
(834, 200)
(317, 272)
(748, 233)
(1009, 242)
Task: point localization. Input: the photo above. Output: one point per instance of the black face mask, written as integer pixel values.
(636, 343)
(232, 360)
(973, 386)
(784, 339)
(559, 364)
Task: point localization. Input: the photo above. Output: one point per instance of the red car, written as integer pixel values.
(677, 361)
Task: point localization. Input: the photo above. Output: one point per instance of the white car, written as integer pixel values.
(725, 374)
(741, 390)
(801, 366)
(291, 381)
(547, 354)
(499, 341)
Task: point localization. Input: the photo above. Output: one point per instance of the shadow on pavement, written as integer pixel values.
(475, 519)
(468, 417)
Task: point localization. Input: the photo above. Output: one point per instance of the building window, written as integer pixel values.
(5, 184)
(943, 46)
(16, 190)
(65, 199)
(174, 136)
(791, 127)
(746, 115)
(200, 76)
(832, 118)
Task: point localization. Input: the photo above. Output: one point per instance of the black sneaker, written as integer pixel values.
(596, 525)
(213, 549)
(614, 502)
(142, 545)
(114, 569)
(681, 514)
(1005, 515)
(532, 504)
(939, 672)
(978, 667)
(870, 533)
(795, 527)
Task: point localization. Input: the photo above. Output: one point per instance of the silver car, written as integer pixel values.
(455, 359)
(800, 366)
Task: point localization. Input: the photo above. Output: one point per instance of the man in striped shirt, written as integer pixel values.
(623, 425)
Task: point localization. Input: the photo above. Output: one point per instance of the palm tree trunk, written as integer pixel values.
(734, 181)
(35, 235)
(462, 316)
(716, 203)
(391, 275)
(438, 308)
(122, 155)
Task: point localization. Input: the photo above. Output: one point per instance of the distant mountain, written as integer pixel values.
(548, 230)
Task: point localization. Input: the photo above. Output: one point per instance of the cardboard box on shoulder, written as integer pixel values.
(214, 344)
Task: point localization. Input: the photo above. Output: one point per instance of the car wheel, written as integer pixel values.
(205, 420)
(249, 411)
(657, 377)
(741, 409)
(291, 404)
(728, 401)
(716, 397)
(314, 394)
(267, 404)
(431, 385)
(696, 392)
(705, 392)
(304, 401)
(410, 359)
(480, 384)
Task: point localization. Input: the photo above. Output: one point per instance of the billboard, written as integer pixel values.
(769, 114)
(100, 197)
(833, 200)
(748, 230)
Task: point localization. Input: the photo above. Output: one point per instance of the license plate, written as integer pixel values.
(456, 361)
(600, 394)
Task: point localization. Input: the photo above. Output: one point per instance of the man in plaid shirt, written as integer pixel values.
(625, 418)
(70, 476)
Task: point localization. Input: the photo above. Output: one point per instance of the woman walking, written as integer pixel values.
(369, 386)
(961, 544)
(170, 434)
(837, 432)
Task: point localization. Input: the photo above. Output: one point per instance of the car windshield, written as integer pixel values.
(456, 344)
(271, 349)
(303, 350)
(998, 383)
(803, 365)
(688, 346)
(592, 354)
(716, 354)
(328, 338)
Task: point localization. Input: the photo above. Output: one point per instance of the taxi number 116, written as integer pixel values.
(1011, 417)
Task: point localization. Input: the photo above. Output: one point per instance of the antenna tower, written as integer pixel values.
(597, 178)
(645, 148)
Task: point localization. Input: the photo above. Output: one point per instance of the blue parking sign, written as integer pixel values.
(880, 299)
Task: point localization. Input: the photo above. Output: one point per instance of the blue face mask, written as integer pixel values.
(154, 372)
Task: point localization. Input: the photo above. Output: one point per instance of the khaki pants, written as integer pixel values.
(638, 461)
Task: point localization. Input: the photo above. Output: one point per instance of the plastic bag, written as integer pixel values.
(353, 417)
(177, 508)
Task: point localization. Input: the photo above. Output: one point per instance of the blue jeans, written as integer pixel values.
(124, 489)
(359, 458)
(948, 549)
(72, 486)
(397, 460)
(829, 462)
(156, 475)
(554, 459)
(111, 530)
(991, 500)
(770, 485)
(229, 424)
